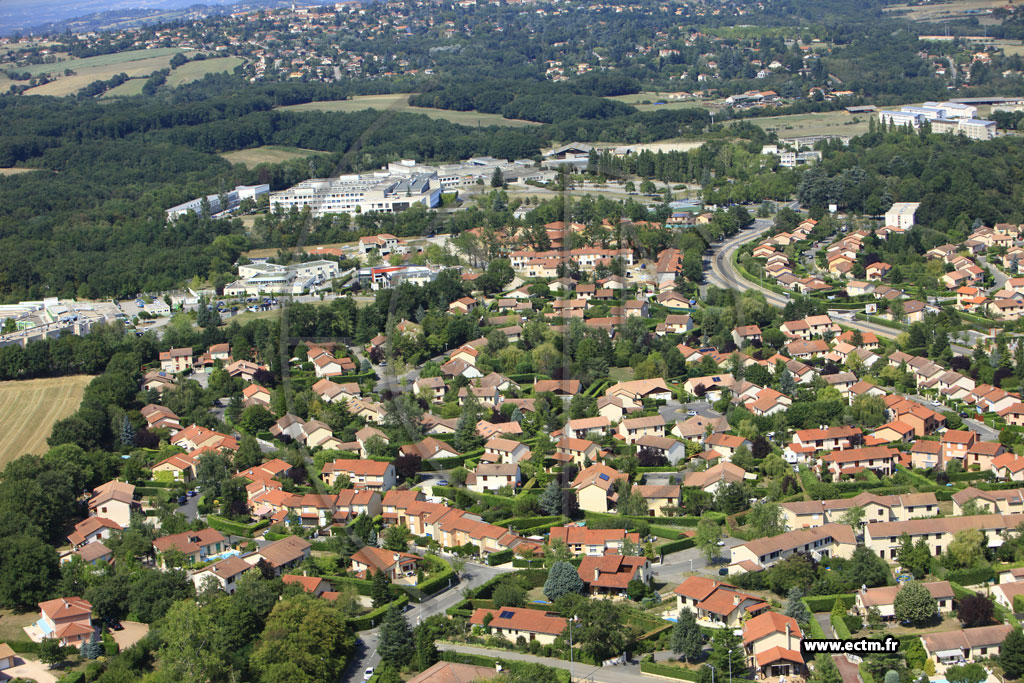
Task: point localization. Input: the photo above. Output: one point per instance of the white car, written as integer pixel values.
(936, 403)
(691, 413)
(368, 674)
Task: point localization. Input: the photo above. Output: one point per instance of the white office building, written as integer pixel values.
(379, 192)
(901, 214)
(233, 200)
(271, 278)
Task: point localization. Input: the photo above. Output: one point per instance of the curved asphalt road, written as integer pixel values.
(724, 274)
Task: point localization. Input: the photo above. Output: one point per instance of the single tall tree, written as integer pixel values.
(914, 603)
(396, 645)
(563, 578)
(687, 638)
(1011, 654)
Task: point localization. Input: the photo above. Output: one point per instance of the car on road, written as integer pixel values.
(442, 482)
(368, 674)
(182, 499)
(721, 543)
(936, 403)
(691, 413)
(191, 494)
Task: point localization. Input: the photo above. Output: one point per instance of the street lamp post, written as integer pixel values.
(730, 665)
(572, 676)
(712, 673)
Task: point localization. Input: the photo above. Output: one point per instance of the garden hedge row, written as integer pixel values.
(666, 670)
(226, 526)
(824, 603)
(370, 620)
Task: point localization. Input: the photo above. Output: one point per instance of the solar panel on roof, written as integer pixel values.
(716, 379)
(507, 614)
(603, 477)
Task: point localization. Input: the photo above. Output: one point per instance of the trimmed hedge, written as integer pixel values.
(520, 563)
(670, 521)
(662, 532)
(676, 546)
(362, 586)
(839, 626)
(73, 677)
(27, 647)
(432, 586)
(813, 628)
(824, 603)
(511, 665)
(527, 522)
(967, 577)
(666, 670)
(368, 621)
(500, 557)
(226, 526)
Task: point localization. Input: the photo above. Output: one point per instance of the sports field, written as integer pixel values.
(30, 407)
(193, 71)
(271, 154)
(400, 102)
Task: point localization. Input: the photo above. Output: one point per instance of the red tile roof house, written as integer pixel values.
(92, 529)
(584, 541)
(610, 574)
(282, 554)
(69, 620)
(505, 451)
(715, 603)
(631, 429)
(512, 622)
(772, 645)
(197, 546)
(880, 459)
(176, 360)
(225, 573)
(313, 585)
(369, 474)
(369, 560)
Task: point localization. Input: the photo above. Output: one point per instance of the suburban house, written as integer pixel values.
(196, 546)
(114, 501)
(883, 538)
(771, 642)
(828, 540)
(715, 603)
(658, 497)
(884, 597)
(610, 574)
(69, 620)
(718, 475)
(513, 622)
(363, 474)
(584, 541)
(595, 487)
(803, 514)
(577, 451)
(493, 476)
(663, 446)
(176, 360)
(225, 572)
(632, 429)
(504, 451)
(967, 645)
(1002, 502)
(92, 529)
(282, 554)
(314, 585)
(369, 560)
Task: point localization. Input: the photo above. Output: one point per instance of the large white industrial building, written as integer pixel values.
(272, 278)
(401, 185)
(944, 117)
(233, 200)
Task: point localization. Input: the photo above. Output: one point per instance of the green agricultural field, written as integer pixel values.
(126, 89)
(69, 85)
(400, 102)
(97, 61)
(942, 11)
(816, 123)
(271, 154)
(193, 71)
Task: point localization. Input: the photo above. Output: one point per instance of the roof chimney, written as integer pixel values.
(597, 573)
(789, 645)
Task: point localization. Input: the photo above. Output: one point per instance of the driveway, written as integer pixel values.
(130, 633)
(30, 669)
(677, 566)
(629, 673)
(678, 413)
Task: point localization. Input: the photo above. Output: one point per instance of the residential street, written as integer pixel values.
(629, 673)
(473, 575)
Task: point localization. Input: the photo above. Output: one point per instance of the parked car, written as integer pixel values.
(182, 499)
(368, 674)
(691, 413)
(442, 482)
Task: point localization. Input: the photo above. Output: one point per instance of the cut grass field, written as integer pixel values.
(651, 97)
(69, 85)
(270, 154)
(30, 407)
(400, 102)
(16, 170)
(193, 71)
(97, 61)
(129, 88)
(940, 11)
(817, 123)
